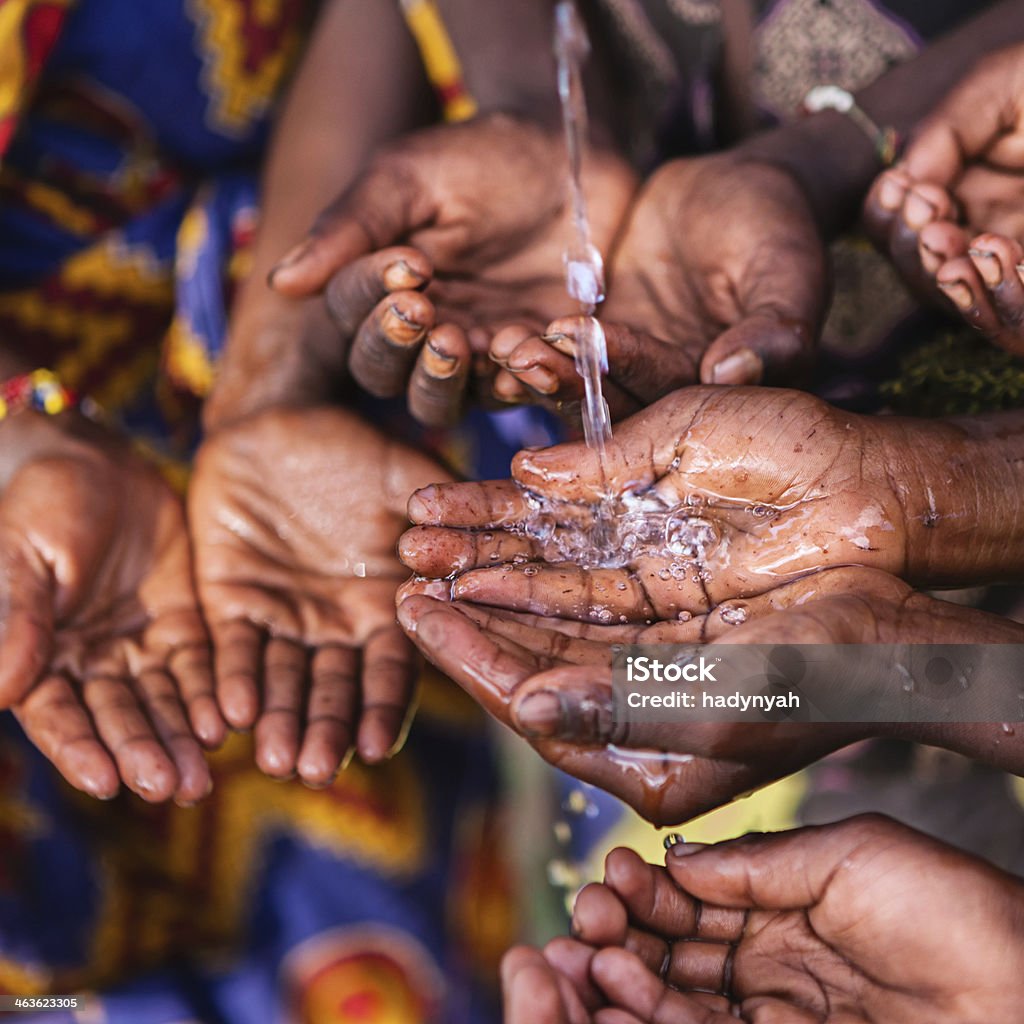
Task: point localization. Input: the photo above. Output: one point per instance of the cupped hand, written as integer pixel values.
(951, 215)
(294, 518)
(860, 921)
(710, 495)
(551, 682)
(104, 656)
(450, 234)
(719, 276)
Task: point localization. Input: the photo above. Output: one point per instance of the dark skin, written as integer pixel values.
(780, 484)
(295, 516)
(842, 923)
(733, 299)
(484, 207)
(549, 680)
(104, 657)
(950, 214)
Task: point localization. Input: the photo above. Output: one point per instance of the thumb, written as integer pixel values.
(378, 210)
(764, 347)
(26, 625)
(780, 871)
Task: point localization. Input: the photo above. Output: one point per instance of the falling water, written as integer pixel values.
(584, 266)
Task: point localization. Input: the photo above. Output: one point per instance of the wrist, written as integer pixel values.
(958, 485)
(829, 156)
(279, 352)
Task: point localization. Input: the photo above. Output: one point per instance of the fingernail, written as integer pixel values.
(686, 849)
(742, 367)
(290, 258)
(540, 714)
(918, 212)
(439, 364)
(561, 343)
(399, 276)
(988, 266)
(400, 327)
(891, 194)
(960, 294)
(540, 380)
(930, 259)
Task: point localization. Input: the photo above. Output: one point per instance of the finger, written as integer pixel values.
(390, 671)
(192, 667)
(437, 552)
(437, 387)
(997, 260)
(884, 203)
(357, 288)
(143, 763)
(331, 714)
(562, 591)
(629, 985)
(464, 652)
(238, 666)
(599, 917)
(486, 505)
(924, 206)
(162, 703)
(571, 959)
(54, 720)
(277, 732)
(961, 283)
(784, 871)
(650, 897)
(705, 966)
(641, 365)
(26, 625)
(547, 366)
(940, 242)
(760, 349)
(388, 343)
(375, 212)
(531, 990)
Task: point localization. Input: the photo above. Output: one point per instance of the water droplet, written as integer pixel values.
(684, 616)
(673, 839)
(734, 614)
(530, 570)
(1008, 730)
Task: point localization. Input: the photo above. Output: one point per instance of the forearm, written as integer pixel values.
(960, 485)
(835, 161)
(360, 84)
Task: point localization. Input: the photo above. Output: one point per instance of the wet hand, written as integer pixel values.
(719, 276)
(551, 682)
(104, 657)
(449, 235)
(860, 921)
(709, 496)
(294, 518)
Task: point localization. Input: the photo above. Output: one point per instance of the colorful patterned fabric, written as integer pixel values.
(127, 201)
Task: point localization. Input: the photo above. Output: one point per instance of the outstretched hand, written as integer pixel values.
(294, 517)
(719, 276)
(861, 921)
(104, 657)
(449, 235)
(951, 215)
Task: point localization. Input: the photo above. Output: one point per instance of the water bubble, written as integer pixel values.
(530, 570)
(734, 615)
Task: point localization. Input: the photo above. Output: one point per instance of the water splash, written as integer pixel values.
(584, 265)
